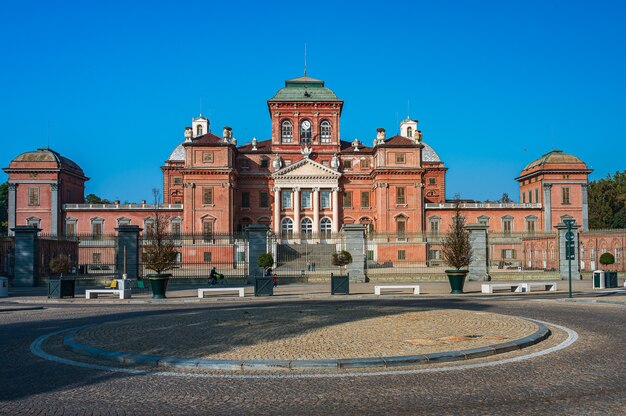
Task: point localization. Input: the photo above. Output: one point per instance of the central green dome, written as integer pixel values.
(305, 89)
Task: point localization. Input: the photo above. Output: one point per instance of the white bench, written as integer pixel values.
(415, 288)
(489, 287)
(221, 289)
(93, 293)
(551, 286)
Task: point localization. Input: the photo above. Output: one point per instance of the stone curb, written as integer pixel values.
(610, 302)
(32, 308)
(70, 343)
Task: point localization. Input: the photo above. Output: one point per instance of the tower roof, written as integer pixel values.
(555, 157)
(305, 89)
(46, 155)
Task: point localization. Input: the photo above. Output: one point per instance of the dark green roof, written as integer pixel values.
(304, 89)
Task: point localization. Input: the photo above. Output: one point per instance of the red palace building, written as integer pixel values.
(304, 181)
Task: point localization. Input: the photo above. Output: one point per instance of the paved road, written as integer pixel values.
(586, 378)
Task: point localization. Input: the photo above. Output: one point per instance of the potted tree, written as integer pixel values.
(457, 251)
(263, 286)
(160, 253)
(340, 284)
(610, 277)
(59, 288)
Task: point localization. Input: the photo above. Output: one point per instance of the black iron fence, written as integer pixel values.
(7, 256)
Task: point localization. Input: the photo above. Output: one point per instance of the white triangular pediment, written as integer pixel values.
(306, 168)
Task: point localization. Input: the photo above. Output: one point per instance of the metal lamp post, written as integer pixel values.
(570, 254)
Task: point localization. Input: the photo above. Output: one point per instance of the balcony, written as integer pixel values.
(122, 207)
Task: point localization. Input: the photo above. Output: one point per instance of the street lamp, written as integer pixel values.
(570, 246)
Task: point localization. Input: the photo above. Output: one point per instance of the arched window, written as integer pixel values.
(305, 131)
(325, 131)
(286, 131)
(287, 228)
(306, 227)
(409, 132)
(325, 227)
(199, 130)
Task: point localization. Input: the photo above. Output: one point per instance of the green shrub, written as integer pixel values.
(342, 258)
(606, 259)
(265, 260)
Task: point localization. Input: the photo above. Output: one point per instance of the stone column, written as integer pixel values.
(127, 257)
(547, 206)
(257, 245)
(25, 255)
(12, 192)
(355, 245)
(585, 208)
(316, 211)
(478, 268)
(296, 212)
(335, 227)
(563, 262)
(54, 209)
(277, 207)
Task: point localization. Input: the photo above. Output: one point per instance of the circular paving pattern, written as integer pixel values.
(305, 333)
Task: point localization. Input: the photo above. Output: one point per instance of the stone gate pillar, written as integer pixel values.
(257, 245)
(478, 268)
(356, 246)
(563, 262)
(26, 237)
(128, 241)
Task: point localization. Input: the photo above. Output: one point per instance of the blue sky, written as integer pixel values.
(495, 84)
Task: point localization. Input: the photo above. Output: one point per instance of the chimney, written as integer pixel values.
(188, 133)
(380, 135)
(227, 134)
(143, 202)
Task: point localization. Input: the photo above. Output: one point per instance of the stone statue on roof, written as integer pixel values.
(334, 162)
(277, 163)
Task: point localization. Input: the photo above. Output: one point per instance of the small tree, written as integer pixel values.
(341, 259)
(607, 259)
(60, 264)
(265, 260)
(160, 251)
(457, 249)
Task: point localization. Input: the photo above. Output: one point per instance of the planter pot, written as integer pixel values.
(158, 283)
(61, 287)
(339, 285)
(263, 286)
(457, 280)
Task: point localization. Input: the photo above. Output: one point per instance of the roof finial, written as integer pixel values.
(305, 59)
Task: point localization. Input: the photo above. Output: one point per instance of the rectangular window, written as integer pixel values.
(347, 164)
(483, 221)
(306, 199)
(530, 226)
(434, 254)
(96, 229)
(178, 180)
(245, 163)
(509, 254)
(347, 199)
(400, 158)
(207, 257)
(507, 226)
(400, 195)
(287, 162)
(264, 200)
(149, 228)
(70, 229)
(69, 194)
(370, 255)
(434, 226)
(265, 162)
(286, 199)
(245, 200)
(530, 197)
(325, 199)
(523, 197)
(176, 230)
(207, 157)
(207, 231)
(365, 163)
(565, 196)
(432, 181)
(33, 196)
(401, 227)
(365, 199)
(207, 196)
(537, 195)
(401, 254)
